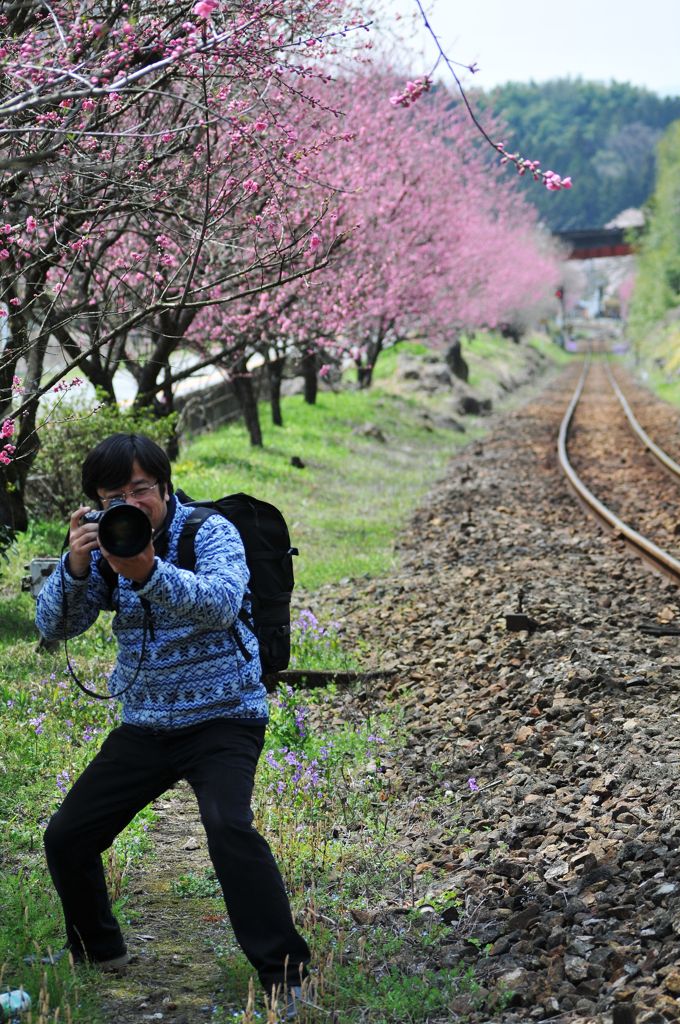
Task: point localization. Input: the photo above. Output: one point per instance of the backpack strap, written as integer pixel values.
(186, 550)
(186, 559)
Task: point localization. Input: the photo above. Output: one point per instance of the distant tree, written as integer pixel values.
(657, 286)
(604, 134)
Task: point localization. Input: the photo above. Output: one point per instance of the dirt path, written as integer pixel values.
(174, 976)
(570, 872)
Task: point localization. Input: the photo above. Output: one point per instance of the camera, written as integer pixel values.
(124, 530)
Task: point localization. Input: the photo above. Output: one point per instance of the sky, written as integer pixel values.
(636, 41)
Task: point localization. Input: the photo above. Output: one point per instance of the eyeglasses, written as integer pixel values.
(134, 492)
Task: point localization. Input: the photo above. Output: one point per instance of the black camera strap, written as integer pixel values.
(147, 629)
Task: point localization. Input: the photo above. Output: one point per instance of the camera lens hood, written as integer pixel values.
(124, 530)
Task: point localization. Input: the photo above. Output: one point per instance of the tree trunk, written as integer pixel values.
(13, 513)
(455, 361)
(167, 334)
(365, 367)
(310, 373)
(275, 376)
(364, 375)
(247, 399)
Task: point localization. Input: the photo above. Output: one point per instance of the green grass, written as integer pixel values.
(552, 352)
(355, 493)
(655, 360)
(665, 385)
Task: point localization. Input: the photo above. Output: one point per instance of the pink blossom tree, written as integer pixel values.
(180, 176)
(423, 236)
(137, 144)
(426, 236)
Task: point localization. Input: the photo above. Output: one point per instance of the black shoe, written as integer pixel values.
(115, 963)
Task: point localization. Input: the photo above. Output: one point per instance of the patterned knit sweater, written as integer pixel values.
(192, 669)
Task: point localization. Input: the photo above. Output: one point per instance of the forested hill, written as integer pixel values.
(603, 136)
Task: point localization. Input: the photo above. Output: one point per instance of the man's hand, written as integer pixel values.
(82, 539)
(137, 569)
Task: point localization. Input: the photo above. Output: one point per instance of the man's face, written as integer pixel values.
(142, 491)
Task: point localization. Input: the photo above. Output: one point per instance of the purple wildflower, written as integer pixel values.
(37, 723)
(300, 715)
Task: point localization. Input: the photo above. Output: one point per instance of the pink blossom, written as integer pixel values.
(204, 8)
(553, 182)
(15, 302)
(412, 92)
(4, 254)
(7, 453)
(250, 186)
(314, 243)
(67, 385)
(324, 370)
(31, 223)
(7, 429)
(17, 386)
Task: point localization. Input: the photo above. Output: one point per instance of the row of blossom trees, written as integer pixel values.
(423, 236)
(215, 177)
(147, 153)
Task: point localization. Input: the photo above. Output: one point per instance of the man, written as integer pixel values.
(193, 707)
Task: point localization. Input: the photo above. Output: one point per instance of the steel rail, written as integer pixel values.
(659, 454)
(645, 548)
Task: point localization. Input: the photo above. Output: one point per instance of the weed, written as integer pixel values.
(193, 886)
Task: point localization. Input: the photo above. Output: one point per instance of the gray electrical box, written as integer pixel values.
(39, 569)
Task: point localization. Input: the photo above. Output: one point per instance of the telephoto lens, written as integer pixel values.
(124, 530)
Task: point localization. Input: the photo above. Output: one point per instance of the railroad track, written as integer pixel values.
(657, 557)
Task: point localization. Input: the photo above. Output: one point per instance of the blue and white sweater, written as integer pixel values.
(192, 669)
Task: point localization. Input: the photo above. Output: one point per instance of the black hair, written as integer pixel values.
(109, 465)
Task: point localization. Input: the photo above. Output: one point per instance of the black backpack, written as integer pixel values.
(269, 556)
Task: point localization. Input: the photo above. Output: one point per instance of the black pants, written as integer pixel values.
(134, 767)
